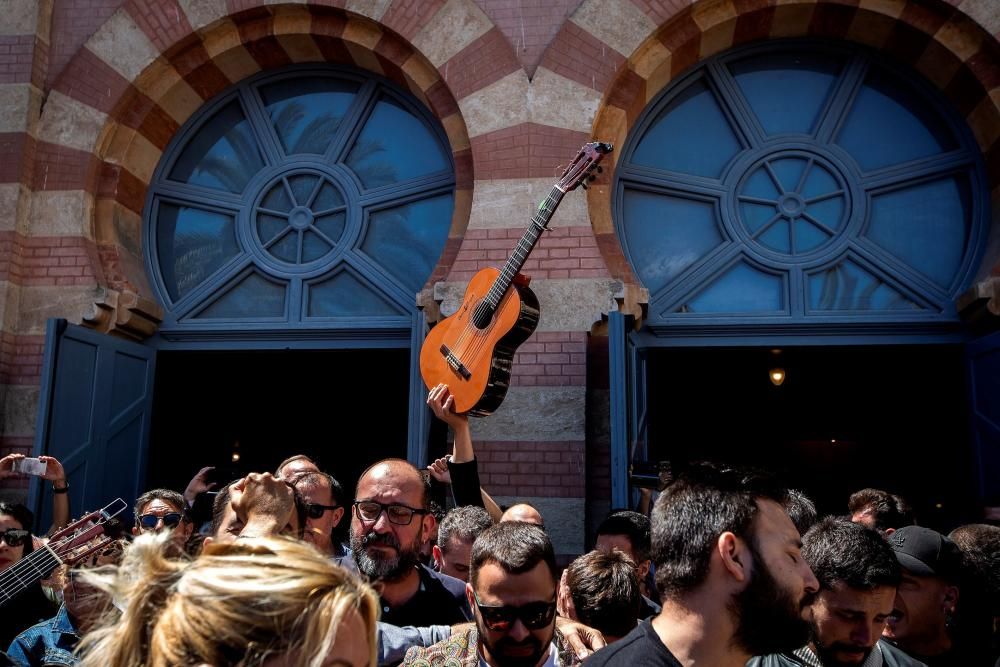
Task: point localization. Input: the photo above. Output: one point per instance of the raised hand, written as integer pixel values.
(442, 403)
(199, 484)
(439, 470)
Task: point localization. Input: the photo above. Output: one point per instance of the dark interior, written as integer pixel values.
(892, 417)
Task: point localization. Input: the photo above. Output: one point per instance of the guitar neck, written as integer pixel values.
(27, 572)
(525, 245)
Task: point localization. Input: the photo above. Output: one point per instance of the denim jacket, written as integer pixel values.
(50, 642)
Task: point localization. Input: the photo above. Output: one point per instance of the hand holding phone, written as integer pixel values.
(30, 466)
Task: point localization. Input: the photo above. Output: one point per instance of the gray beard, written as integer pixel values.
(384, 569)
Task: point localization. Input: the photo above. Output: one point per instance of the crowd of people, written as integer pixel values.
(729, 569)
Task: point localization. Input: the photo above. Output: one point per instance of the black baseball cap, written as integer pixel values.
(925, 552)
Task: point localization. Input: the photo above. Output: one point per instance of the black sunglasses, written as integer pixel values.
(14, 537)
(534, 615)
(401, 515)
(315, 510)
(149, 521)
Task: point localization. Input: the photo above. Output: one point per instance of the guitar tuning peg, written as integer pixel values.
(600, 169)
(592, 178)
(584, 185)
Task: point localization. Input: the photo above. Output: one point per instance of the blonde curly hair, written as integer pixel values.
(236, 604)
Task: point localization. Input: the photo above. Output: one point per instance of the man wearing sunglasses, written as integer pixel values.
(512, 591)
(163, 509)
(391, 521)
(324, 501)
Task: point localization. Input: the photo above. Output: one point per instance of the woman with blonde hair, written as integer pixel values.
(263, 602)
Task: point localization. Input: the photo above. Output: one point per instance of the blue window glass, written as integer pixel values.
(801, 181)
(672, 146)
(787, 90)
(672, 234)
(395, 147)
(400, 238)
(314, 169)
(741, 289)
(223, 155)
(194, 243)
(306, 113)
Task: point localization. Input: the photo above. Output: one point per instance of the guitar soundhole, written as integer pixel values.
(483, 315)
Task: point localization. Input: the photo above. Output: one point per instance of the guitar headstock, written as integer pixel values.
(583, 165)
(89, 534)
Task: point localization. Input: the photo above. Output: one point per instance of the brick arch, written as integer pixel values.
(944, 45)
(127, 128)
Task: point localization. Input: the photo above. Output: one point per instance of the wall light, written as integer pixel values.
(777, 376)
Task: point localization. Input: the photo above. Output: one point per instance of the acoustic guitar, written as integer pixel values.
(472, 351)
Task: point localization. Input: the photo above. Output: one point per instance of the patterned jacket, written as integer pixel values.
(462, 650)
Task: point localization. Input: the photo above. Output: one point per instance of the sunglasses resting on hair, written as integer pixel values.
(149, 521)
(534, 615)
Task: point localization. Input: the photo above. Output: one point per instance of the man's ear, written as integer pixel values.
(470, 596)
(208, 540)
(950, 601)
(644, 569)
(427, 527)
(564, 600)
(438, 557)
(734, 556)
(135, 531)
(338, 514)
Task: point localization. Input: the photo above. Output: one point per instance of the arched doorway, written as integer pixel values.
(776, 201)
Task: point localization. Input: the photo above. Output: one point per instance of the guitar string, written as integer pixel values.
(47, 551)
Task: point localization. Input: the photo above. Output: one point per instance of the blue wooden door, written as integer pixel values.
(629, 408)
(983, 358)
(94, 415)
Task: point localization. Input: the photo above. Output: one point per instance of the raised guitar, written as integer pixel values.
(472, 351)
(80, 539)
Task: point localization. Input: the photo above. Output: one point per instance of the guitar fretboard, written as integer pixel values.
(524, 247)
(26, 572)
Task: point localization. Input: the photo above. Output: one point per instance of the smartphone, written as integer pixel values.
(30, 466)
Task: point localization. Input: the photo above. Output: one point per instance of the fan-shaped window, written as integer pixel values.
(800, 181)
(300, 198)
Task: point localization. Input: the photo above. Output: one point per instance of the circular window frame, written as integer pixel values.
(360, 203)
(720, 192)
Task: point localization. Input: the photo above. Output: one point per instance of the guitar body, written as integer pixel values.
(475, 362)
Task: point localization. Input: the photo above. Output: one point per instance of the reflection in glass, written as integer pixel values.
(672, 144)
(343, 295)
(395, 146)
(407, 240)
(306, 112)
(926, 226)
(740, 289)
(889, 124)
(252, 297)
(849, 287)
(666, 235)
(192, 244)
(787, 90)
(222, 154)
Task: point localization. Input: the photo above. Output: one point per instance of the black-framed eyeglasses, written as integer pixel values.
(15, 537)
(371, 510)
(315, 510)
(149, 521)
(534, 615)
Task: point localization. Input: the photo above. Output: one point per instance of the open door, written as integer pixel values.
(629, 407)
(419, 413)
(983, 357)
(94, 416)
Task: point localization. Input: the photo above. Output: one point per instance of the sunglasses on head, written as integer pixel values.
(315, 510)
(14, 537)
(149, 521)
(534, 615)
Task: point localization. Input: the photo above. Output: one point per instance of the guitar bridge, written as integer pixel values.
(455, 363)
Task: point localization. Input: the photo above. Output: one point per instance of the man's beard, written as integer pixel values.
(768, 618)
(383, 567)
(827, 654)
(499, 650)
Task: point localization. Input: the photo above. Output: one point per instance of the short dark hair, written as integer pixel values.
(801, 510)
(634, 526)
(463, 523)
(224, 496)
(703, 502)
(605, 591)
(515, 546)
(980, 547)
(336, 489)
(838, 550)
(167, 496)
(887, 509)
